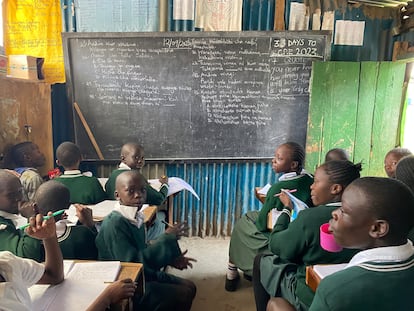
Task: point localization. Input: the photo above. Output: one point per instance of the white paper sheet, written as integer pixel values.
(175, 184)
(298, 18)
(183, 9)
(99, 271)
(349, 32)
(265, 189)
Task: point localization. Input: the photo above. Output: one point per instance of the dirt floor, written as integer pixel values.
(209, 273)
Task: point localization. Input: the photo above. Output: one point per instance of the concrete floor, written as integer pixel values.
(209, 273)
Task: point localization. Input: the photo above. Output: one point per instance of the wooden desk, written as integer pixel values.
(135, 272)
(312, 279)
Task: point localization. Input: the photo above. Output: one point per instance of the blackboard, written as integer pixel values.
(192, 95)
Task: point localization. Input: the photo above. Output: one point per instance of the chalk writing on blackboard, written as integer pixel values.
(197, 94)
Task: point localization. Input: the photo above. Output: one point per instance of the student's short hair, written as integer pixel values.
(405, 171)
(52, 196)
(5, 178)
(338, 153)
(298, 154)
(130, 145)
(342, 172)
(128, 174)
(68, 154)
(399, 152)
(17, 153)
(390, 200)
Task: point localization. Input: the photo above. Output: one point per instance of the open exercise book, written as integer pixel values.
(84, 281)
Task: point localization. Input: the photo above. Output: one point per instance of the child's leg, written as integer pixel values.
(167, 296)
(232, 277)
(260, 294)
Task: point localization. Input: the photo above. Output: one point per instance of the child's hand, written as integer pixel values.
(163, 179)
(28, 209)
(84, 214)
(120, 289)
(41, 229)
(178, 229)
(284, 198)
(182, 262)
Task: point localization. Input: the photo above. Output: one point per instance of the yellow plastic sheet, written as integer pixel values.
(33, 27)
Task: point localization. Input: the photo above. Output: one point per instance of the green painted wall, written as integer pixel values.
(355, 106)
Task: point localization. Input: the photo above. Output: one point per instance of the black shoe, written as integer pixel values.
(231, 285)
(247, 277)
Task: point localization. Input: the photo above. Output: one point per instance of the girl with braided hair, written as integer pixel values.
(250, 234)
(296, 244)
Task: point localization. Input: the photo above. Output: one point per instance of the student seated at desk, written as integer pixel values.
(250, 234)
(132, 158)
(122, 237)
(12, 239)
(83, 189)
(296, 244)
(18, 274)
(376, 216)
(76, 242)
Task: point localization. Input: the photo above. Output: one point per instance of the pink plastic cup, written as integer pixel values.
(328, 242)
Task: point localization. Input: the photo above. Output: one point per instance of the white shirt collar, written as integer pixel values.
(131, 213)
(72, 172)
(17, 220)
(291, 175)
(384, 254)
(123, 166)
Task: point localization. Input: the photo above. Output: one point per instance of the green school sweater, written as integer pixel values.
(83, 189)
(78, 242)
(298, 242)
(19, 243)
(371, 286)
(118, 239)
(302, 183)
(154, 197)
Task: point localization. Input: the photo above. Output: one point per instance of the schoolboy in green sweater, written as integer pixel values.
(83, 189)
(376, 216)
(122, 237)
(76, 242)
(12, 239)
(132, 158)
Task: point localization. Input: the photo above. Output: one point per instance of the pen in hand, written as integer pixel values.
(44, 218)
(285, 190)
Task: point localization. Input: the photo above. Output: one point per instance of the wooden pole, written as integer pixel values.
(279, 15)
(88, 131)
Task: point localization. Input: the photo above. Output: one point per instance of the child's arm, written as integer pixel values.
(45, 230)
(112, 294)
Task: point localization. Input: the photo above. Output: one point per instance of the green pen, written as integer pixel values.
(44, 218)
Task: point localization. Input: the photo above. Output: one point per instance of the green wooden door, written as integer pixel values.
(355, 106)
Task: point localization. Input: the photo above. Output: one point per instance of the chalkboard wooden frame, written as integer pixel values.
(233, 95)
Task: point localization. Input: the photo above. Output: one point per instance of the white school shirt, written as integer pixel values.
(20, 274)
